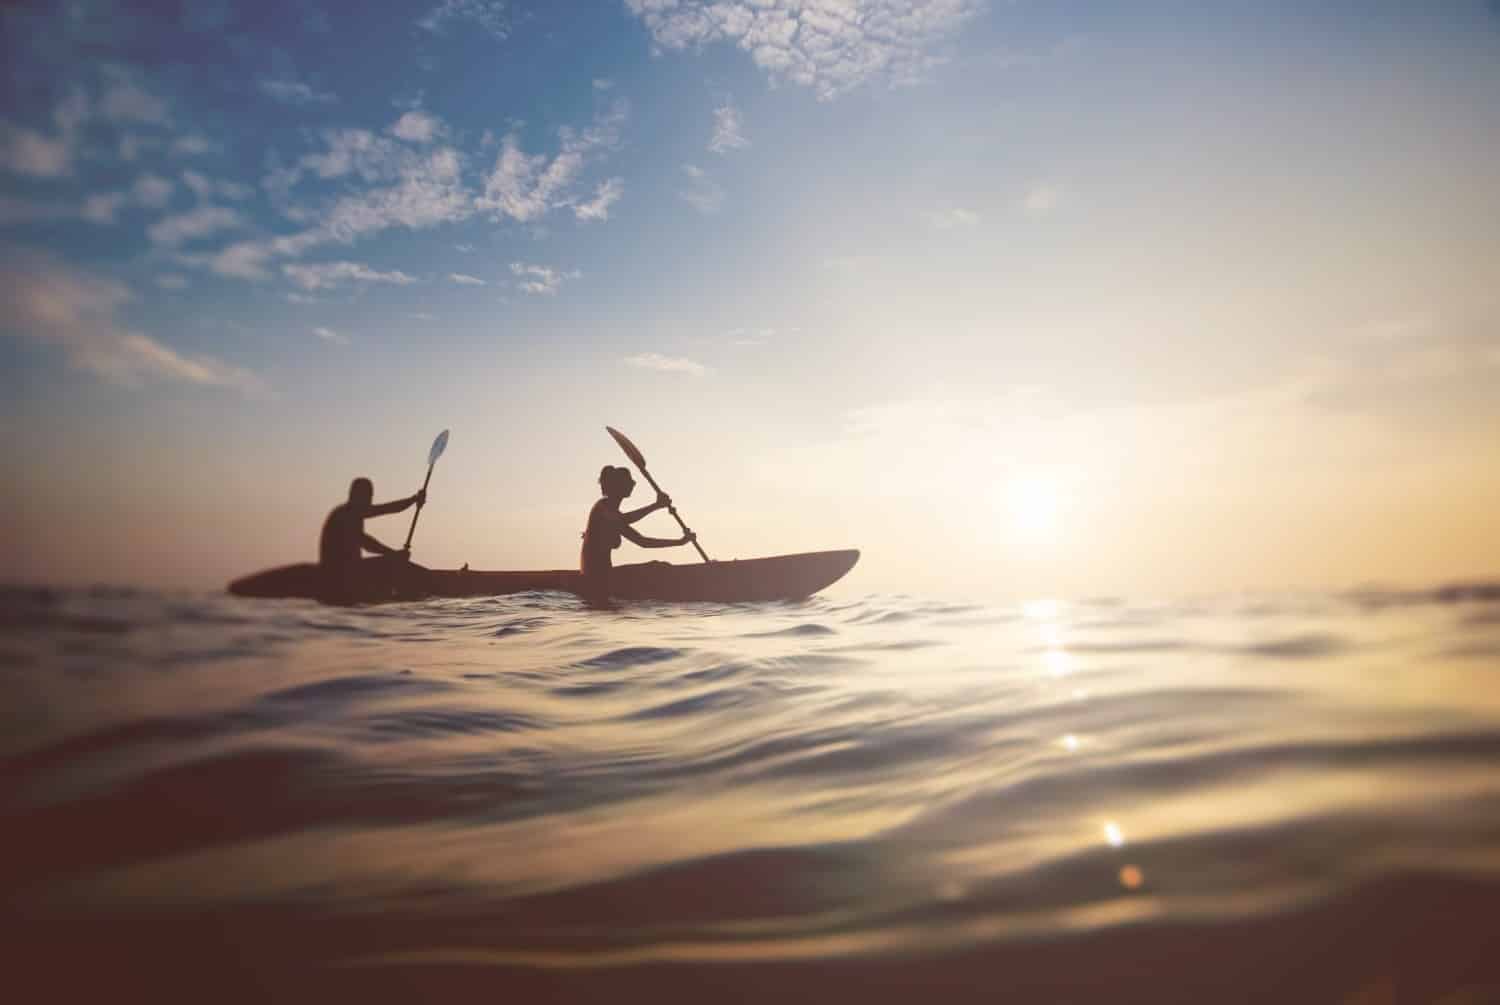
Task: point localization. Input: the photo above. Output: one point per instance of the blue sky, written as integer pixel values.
(842, 266)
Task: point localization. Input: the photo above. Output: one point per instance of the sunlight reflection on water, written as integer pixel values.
(517, 777)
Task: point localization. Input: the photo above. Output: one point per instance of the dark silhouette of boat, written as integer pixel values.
(782, 577)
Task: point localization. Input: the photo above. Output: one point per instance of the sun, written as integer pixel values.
(1033, 503)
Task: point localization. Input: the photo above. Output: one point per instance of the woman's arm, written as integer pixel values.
(636, 537)
(662, 502)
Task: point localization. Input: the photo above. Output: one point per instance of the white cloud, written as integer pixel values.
(25, 151)
(329, 335)
(430, 191)
(666, 364)
(329, 274)
(102, 206)
(758, 336)
(418, 189)
(526, 187)
(465, 248)
(831, 46)
(193, 225)
(603, 84)
(193, 145)
(1041, 199)
(71, 112)
(50, 302)
(132, 145)
(127, 100)
(152, 191)
(15, 211)
(952, 218)
(728, 130)
(539, 279)
(427, 187)
(417, 127)
(418, 316)
(294, 92)
(205, 188)
(463, 280)
(172, 281)
(243, 260)
(605, 196)
(703, 193)
(29, 152)
(490, 15)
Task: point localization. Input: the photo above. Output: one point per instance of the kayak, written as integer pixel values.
(782, 577)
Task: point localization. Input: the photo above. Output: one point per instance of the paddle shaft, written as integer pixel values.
(413, 528)
(673, 510)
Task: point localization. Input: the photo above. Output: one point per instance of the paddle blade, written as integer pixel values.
(438, 446)
(630, 449)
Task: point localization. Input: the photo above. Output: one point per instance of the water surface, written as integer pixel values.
(873, 798)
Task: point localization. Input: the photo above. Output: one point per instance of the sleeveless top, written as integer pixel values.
(600, 538)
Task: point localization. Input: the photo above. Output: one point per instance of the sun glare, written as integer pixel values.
(1032, 502)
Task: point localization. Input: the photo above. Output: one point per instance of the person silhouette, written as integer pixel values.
(344, 538)
(607, 525)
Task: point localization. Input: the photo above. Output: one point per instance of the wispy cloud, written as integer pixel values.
(54, 303)
(329, 335)
(463, 280)
(490, 15)
(148, 192)
(831, 46)
(194, 145)
(206, 188)
(666, 364)
(540, 279)
(152, 191)
(1041, 198)
(605, 196)
(525, 187)
(603, 84)
(295, 92)
(172, 281)
(194, 225)
(126, 99)
(703, 193)
(330, 274)
(417, 189)
(101, 207)
(417, 127)
(952, 218)
(28, 152)
(752, 336)
(728, 130)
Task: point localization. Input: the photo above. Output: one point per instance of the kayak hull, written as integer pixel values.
(782, 577)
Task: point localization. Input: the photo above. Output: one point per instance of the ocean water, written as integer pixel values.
(872, 799)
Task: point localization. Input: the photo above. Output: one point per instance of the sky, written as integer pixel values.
(1020, 297)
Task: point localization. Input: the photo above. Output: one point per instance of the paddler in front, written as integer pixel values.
(347, 577)
(607, 525)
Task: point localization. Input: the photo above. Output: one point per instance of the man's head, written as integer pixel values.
(361, 492)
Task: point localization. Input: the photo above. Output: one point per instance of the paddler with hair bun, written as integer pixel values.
(607, 525)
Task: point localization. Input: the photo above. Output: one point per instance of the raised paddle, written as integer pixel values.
(438, 446)
(639, 460)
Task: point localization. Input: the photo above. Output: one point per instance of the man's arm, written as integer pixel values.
(370, 544)
(397, 505)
